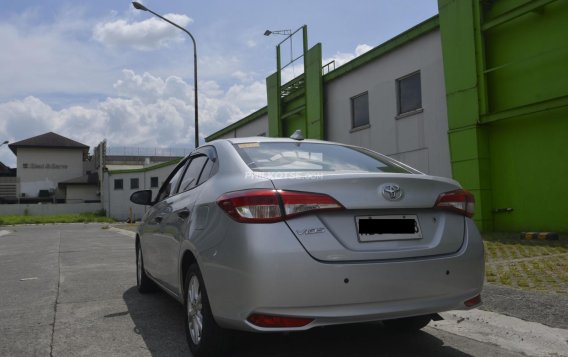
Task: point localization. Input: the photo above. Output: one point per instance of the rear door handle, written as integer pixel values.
(183, 213)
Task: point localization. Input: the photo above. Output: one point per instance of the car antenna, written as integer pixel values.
(297, 135)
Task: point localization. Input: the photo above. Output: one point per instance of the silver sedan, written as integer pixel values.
(262, 234)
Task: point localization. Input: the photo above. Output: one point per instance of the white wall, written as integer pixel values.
(46, 168)
(420, 140)
(117, 202)
(254, 128)
(81, 193)
(39, 209)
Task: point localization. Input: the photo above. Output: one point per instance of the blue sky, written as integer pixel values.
(91, 70)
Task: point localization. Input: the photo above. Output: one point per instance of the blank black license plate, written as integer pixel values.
(375, 228)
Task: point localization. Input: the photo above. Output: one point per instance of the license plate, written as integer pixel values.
(379, 228)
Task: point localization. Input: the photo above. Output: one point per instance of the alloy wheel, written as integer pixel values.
(194, 310)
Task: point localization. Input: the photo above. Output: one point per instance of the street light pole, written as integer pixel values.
(139, 6)
(287, 33)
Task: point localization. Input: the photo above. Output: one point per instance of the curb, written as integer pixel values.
(539, 236)
(123, 232)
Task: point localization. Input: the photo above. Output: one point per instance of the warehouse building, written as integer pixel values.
(478, 93)
(125, 173)
(391, 99)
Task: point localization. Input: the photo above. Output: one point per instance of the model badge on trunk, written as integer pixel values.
(307, 231)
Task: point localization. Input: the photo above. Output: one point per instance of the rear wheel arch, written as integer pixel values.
(188, 258)
(143, 282)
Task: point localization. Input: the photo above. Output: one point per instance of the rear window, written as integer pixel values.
(285, 156)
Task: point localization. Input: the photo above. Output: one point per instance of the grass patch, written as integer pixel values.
(529, 265)
(60, 218)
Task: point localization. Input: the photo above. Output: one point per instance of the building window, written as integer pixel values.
(360, 110)
(118, 184)
(409, 93)
(153, 182)
(134, 184)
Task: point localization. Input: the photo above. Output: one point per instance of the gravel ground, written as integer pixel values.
(547, 309)
(533, 265)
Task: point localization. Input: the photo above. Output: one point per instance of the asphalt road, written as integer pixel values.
(69, 290)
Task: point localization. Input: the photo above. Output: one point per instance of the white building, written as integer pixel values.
(120, 181)
(54, 169)
(45, 163)
(391, 99)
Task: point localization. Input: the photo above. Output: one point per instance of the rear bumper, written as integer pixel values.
(263, 269)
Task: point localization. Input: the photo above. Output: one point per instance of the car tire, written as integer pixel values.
(143, 282)
(204, 336)
(408, 324)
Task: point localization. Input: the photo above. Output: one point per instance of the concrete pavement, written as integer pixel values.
(68, 290)
(547, 309)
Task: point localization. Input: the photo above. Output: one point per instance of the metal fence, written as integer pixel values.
(145, 151)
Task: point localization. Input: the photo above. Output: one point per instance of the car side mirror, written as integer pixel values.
(143, 197)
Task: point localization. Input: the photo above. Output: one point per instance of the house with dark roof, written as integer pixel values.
(6, 171)
(54, 168)
(8, 184)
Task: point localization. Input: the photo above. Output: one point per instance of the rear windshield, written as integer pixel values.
(288, 157)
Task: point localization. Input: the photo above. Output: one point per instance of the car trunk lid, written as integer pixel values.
(386, 216)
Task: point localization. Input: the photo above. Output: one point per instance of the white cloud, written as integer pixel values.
(48, 60)
(149, 34)
(243, 76)
(360, 49)
(150, 112)
(148, 87)
(248, 97)
(341, 58)
(292, 71)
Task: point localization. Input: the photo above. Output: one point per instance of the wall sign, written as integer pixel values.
(44, 166)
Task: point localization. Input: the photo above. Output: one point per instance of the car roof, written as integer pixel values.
(264, 139)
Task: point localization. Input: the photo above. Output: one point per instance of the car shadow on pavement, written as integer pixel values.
(158, 319)
(360, 340)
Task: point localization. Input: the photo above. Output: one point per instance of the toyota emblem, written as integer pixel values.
(391, 191)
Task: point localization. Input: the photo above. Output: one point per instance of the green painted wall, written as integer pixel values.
(527, 57)
(297, 104)
(314, 119)
(468, 140)
(529, 170)
(506, 79)
(273, 97)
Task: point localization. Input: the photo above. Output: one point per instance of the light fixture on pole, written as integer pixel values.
(139, 6)
(287, 33)
(5, 142)
(278, 32)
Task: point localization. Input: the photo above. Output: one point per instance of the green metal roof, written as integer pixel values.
(251, 117)
(384, 48)
(146, 169)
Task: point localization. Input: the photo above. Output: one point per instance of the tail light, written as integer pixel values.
(271, 321)
(476, 300)
(459, 201)
(268, 206)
